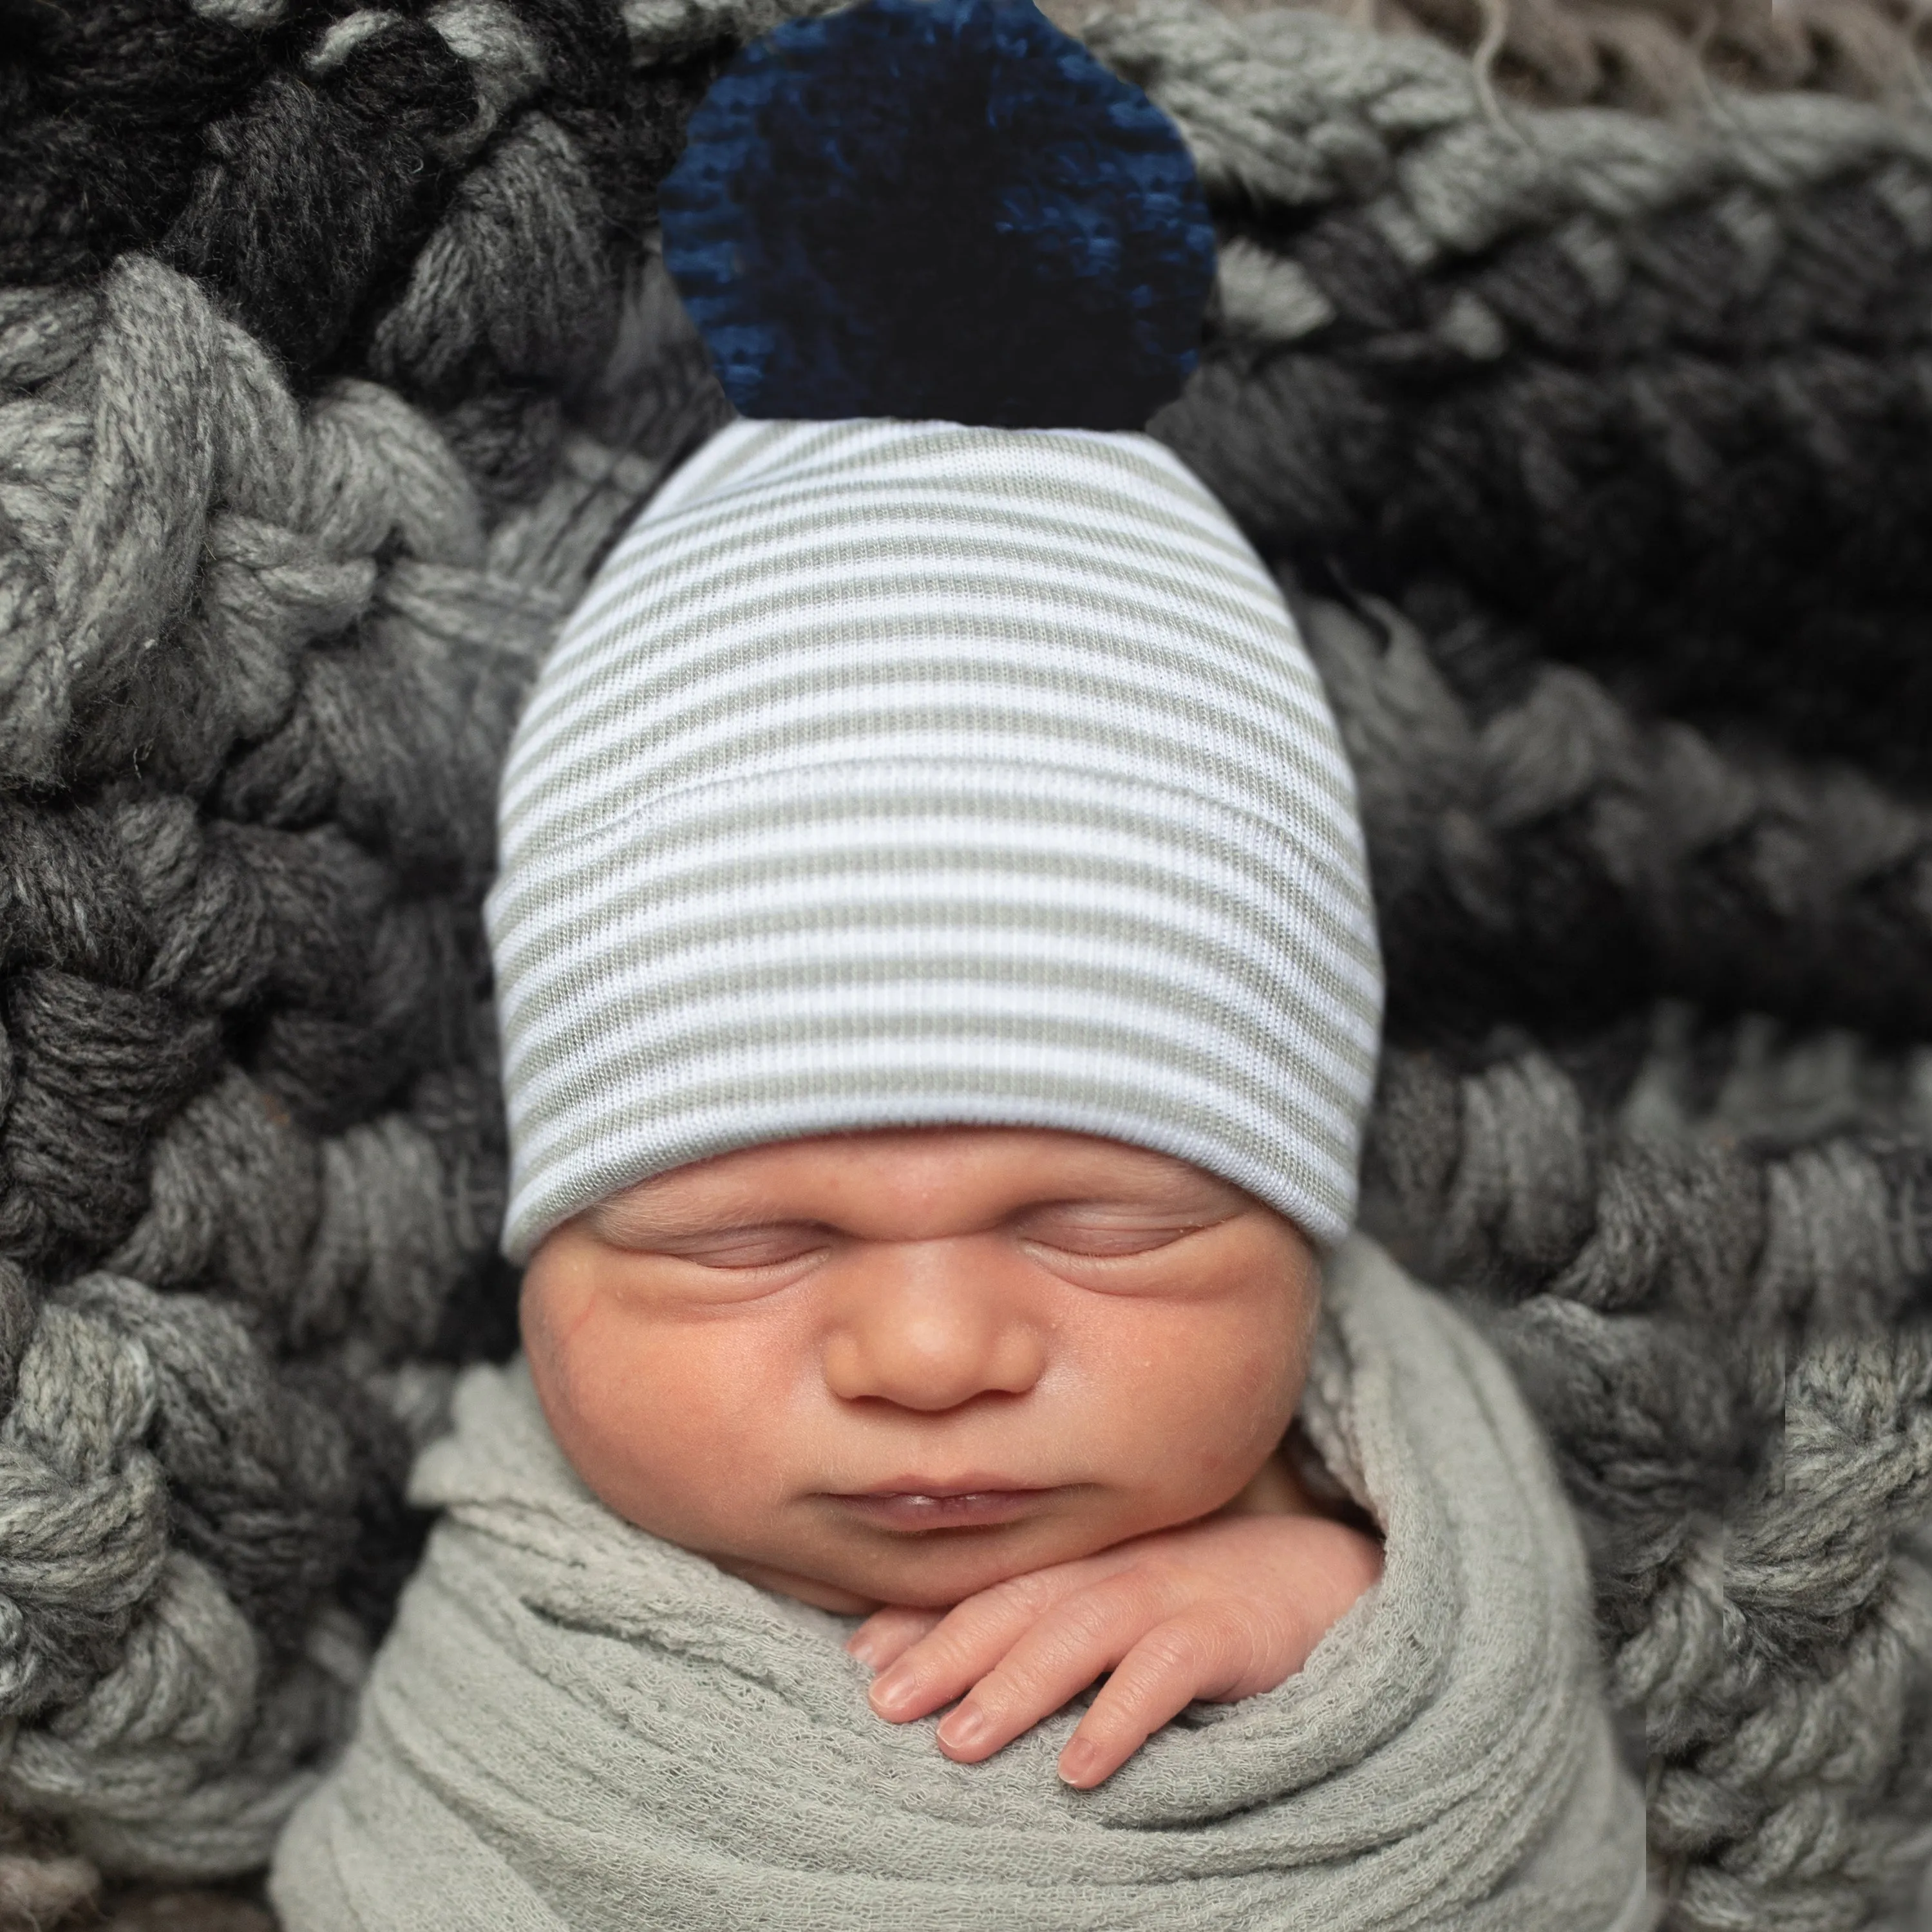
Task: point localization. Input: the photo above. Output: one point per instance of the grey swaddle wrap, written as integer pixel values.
(576, 1725)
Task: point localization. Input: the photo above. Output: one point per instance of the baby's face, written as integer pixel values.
(902, 1366)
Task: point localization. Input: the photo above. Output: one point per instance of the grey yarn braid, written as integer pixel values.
(1708, 1264)
(243, 1055)
(1666, 55)
(1624, 380)
(262, 648)
(1713, 1334)
(1525, 821)
(319, 404)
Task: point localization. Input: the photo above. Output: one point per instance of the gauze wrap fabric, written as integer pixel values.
(576, 1725)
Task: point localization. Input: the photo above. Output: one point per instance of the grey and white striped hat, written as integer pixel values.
(896, 773)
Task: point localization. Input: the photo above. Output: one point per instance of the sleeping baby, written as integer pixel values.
(940, 997)
(961, 1471)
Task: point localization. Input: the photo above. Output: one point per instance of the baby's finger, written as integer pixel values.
(966, 1643)
(1056, 1660)
(1203, 1654)
(887, 1634)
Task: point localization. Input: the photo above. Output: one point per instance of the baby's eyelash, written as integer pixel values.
(751, 1248)
(1123, 1241)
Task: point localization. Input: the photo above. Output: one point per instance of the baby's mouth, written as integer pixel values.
(914, 1505)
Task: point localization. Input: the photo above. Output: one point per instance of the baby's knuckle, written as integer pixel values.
(1031, 1593)
(1087, 1619)
(1174, 1649)
(1233, 1637)
(1171, 1583)
(1147, 1590)
(987, 1616)
(1247, 1629)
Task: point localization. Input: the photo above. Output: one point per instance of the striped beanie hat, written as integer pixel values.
(899, 772)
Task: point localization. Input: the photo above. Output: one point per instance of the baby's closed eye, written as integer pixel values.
(1100, 1234)
(772, 1246)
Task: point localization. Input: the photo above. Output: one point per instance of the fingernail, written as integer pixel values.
(861, 1647)
(895, 1688)
(1077, 1763)
(964, 1729)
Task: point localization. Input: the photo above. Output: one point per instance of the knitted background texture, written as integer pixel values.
(1671, 54)
(1591, 442)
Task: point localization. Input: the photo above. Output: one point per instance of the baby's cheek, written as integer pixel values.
(663, 1424)
(1236, 1431)
(1220, 1388)
(1266, 1360)
(1265, 1371)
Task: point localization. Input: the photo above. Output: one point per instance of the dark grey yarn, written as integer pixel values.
(1550, 856)
(1720, 1339)
(1593, 449)
(1600, 443)
(300, 464)
(1654, 390)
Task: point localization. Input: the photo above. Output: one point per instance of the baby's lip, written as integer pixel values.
(914, 1503)
(972, 1485)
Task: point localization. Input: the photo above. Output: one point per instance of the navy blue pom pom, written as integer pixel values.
(939, 209)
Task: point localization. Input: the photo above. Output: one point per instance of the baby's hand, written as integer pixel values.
(1218, 1609)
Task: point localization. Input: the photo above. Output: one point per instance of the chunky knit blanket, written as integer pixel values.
(573, 1725)
(1594, 443)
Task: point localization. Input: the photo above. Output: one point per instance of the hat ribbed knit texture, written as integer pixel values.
(899, 773)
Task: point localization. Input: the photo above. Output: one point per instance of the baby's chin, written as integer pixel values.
(928, 1581)
(814, 1590)
(934, 1569)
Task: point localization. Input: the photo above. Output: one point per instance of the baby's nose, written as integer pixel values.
(929, 1325)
